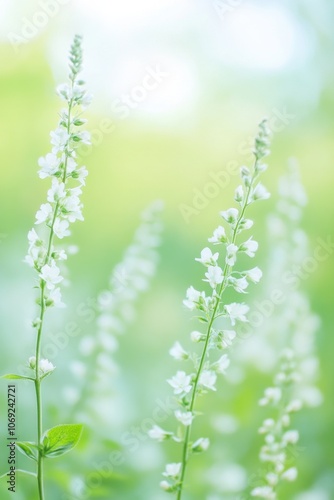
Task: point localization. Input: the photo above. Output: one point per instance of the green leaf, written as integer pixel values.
(13, 376)
(28, 449)
(61, 439)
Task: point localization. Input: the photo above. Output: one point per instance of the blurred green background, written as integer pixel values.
(228, 65)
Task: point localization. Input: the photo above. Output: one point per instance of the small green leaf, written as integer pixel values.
(61, 439)
(78, 122)
(28, 449)
(13, 376)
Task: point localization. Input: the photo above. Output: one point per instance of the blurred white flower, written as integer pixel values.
(236, 312)
(181, 383)
(185, 418)
(208, 379)
(172, 470)
(177, 352)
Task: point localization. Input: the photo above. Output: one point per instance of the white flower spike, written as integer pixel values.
(209, 307)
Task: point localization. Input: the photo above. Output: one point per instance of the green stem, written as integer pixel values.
(37, 381)
(226, 274)
(39, 396)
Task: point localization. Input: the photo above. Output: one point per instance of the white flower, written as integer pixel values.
(237, 312)
(172, 470)
(196, 336)
(249, 247)
(254, 274)
(202, 444)
(214, 276)
(207, 257)
(84, 137)
(267, 426)
(208, 379)
(272, 478)
(59, 139)
(51, 275)
(246, 175)
(227, 337)
(33, 256)
(193, 297)
(81, 175)
(180, 383)
(285, 419)
(239, 194)
(60, 228)
(57, 191)
(166, 486)
(219, 236)
(64, 91)
(70, 164)
(54, 298)
(159, 434)
(78, 92)
(290, 474)
(46, 366)
(294, 406)
(260, 193)
(73, 207)
(33, 238)
(239, 284)
(60, 255)
(246, 224)
(86, 100)
(264, 492)
(271, 395)
(230, 215)
(231, 254)
(44, 213)
(49, 165)
(222, 364)
(185, 418)
(177, 352)
(290, 437)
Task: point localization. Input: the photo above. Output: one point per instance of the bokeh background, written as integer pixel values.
(223, 66)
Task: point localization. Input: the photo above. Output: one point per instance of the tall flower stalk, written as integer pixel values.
(212, 310)
(116, 309)
(53, 218)
(292, 329)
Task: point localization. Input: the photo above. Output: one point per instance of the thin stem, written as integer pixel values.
(38, 380)
(226, 274)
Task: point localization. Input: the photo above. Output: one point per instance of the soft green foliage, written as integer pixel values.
(61, 439)
(28, 449)
(134, 164)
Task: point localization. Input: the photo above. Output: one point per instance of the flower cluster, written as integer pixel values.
(63, 205)
(292, 330)
(53, 219)
(278, 449)
(220, 319)
(116, 308)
